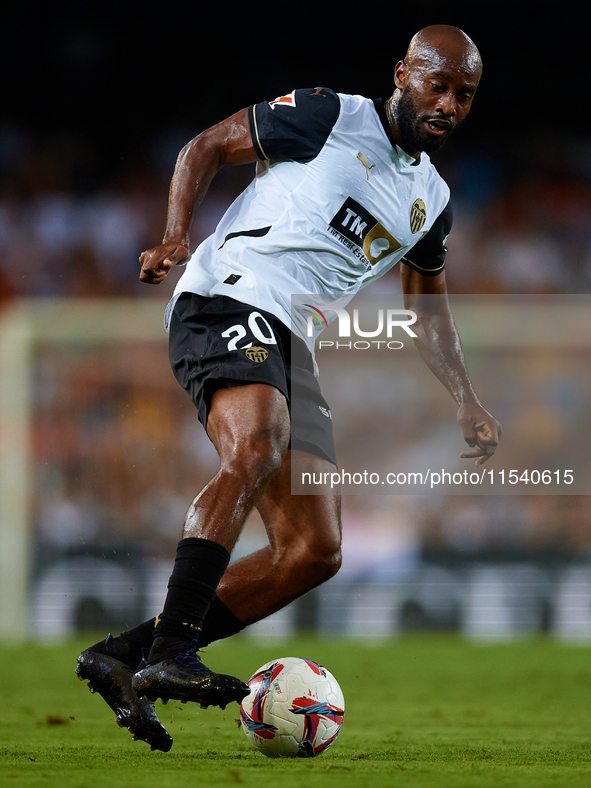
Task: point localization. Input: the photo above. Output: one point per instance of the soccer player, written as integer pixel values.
(344, 190)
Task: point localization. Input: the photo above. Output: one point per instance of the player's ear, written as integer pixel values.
(401, 75)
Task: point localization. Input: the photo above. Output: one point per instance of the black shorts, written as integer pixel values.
(217, 341)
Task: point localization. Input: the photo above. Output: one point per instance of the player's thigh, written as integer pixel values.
(249, 421)
(308, 522)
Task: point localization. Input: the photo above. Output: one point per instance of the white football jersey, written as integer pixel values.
(335, 203)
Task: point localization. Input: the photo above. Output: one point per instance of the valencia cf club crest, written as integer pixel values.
(418, 215)
(257, 354)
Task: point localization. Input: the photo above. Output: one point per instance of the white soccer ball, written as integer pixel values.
(295, 709)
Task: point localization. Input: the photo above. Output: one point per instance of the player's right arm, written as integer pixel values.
(228, 142)
(295, 126)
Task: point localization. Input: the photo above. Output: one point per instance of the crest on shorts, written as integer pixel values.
(257, 354)
(418, 215)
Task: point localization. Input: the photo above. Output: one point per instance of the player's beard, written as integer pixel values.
(410, 125)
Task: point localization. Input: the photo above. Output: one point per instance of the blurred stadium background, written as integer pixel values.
(101, 452)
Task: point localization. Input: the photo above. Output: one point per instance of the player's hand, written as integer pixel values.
(157, 262)
(481, 432)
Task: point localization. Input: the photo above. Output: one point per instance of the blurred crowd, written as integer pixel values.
(72, 225)
(118, 457)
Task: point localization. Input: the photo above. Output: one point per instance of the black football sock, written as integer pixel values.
(198, 568)
(127, 647)
(219, 623)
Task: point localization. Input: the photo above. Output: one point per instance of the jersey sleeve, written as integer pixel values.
(294, 126)
(428, 255)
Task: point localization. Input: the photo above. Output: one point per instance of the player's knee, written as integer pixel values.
(258, 456)
(320, 561)
(331, 563)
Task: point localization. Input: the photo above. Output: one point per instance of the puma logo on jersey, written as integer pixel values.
(318, 93)
(362, 159)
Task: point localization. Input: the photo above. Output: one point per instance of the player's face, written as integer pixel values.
(433, 102)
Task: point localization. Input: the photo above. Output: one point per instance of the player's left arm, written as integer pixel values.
(439, 344)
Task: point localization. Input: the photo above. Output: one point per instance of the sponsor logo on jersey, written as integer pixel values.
(361, 232)
(418, 215)
(287, 100)
(257, 354)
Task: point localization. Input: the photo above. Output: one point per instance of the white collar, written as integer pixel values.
(407, 159)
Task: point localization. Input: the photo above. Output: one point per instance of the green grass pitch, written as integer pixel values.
(420, 711)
